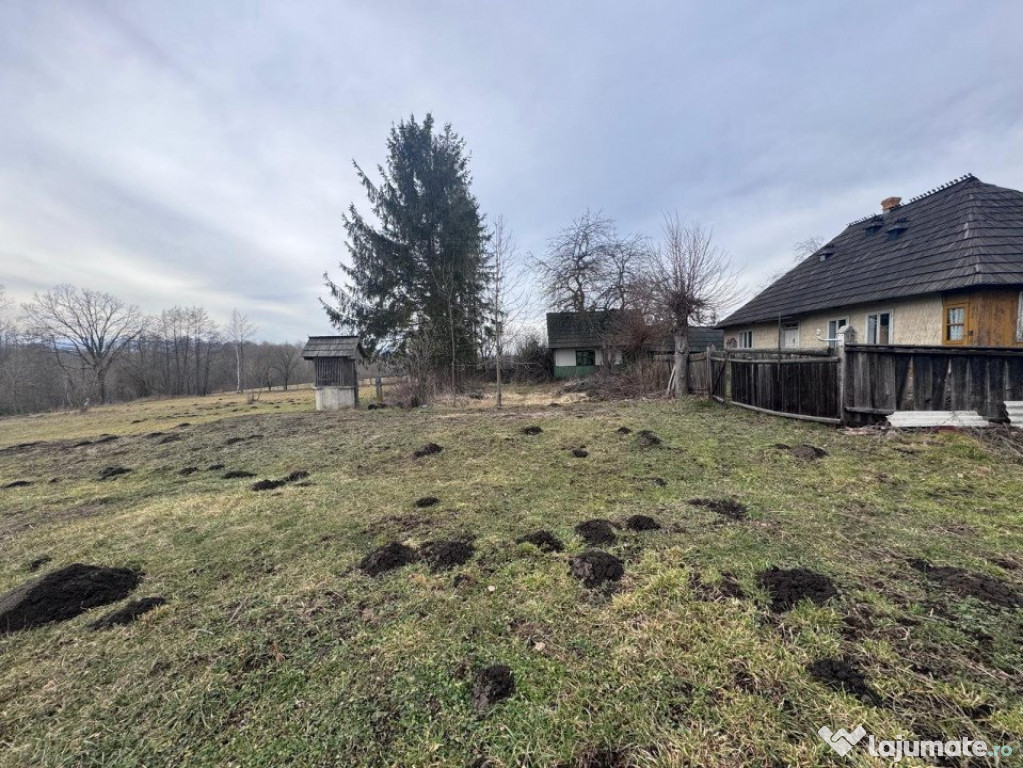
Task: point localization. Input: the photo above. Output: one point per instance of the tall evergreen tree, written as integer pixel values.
(419, 269)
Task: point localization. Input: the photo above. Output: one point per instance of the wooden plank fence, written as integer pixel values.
(859, 383)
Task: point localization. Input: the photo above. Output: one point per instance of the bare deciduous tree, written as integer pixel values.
(240, 330)
(505, 282)
(91, 326)
(689, 280)
(286, 360)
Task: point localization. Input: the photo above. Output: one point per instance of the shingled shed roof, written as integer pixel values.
(576, 330)
(333, 346)
(963, 235)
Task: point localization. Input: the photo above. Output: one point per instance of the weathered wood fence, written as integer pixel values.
(859, 383)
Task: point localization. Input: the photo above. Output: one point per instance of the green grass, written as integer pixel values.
(275, 650)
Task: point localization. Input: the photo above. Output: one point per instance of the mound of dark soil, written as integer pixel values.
(106, 439)
(598, 758)
(531, 430)
(727, 507)
(647, 439)
(427, 501)
(596, 532)
(788, 587)
(543, 540)
(188, 471)
(39, 562)
(234, 440)
(19, 484)
(168, 439)
(807, 452)
(268, 485)
(156, 434)
(109, 473)
(660, 482)
(442, 555)
(63, 594)
(580, 453)
(294, 477)
(491, 685)
(427, 450)
(214, 467)
(782, 446)
(595, 568)
(237, 474)
(183, 424)
(128, 614)
(387, 558)
(623, 431)
(641, 523)
(966, 584)
(376, 406)
(840, 675)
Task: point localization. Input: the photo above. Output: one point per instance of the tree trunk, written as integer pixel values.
(451, 326)
(681, 372)
(238, 360)
(499, 367)
(101, 384)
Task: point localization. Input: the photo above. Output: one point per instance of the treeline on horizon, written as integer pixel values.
(71, 347)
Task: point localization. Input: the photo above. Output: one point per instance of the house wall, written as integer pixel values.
(993, 316)
(565, 367)
(914, 321)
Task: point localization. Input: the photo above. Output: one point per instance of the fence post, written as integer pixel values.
(728, 378)
(380, 390)
(846, 334)
(710, 373)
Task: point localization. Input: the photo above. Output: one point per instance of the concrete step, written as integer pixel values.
(1015, 410)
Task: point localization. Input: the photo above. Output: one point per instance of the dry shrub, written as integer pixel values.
(645, 378)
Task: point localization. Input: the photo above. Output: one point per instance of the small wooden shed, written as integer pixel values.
(337, 380)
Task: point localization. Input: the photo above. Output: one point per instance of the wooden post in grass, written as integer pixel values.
(710, 372)
(846, 335)
(380, 391)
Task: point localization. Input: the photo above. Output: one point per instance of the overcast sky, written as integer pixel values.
(199, 153)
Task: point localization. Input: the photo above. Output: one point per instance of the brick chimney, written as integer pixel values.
(890, 204)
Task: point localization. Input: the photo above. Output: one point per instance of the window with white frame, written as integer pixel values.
(833, 327)
(879, 328)
(1019, 319)
(745, 339)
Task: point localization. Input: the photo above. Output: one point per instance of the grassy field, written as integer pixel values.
(275, 649)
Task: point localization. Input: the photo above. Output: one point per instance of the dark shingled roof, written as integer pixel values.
(571, 330)
(333, 346)
(963, 235)
(574, 330)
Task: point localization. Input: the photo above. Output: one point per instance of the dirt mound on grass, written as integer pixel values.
(807, 452)
(442, 555)
(623, 431)
(840, 675)
(726, 507)
(596, 532)
(298, 474)
(427, 450)
(491, 685)
(269, 485)
(595, 568)
(236, 474)
(427, 501)
(642, 523)
(168, 439)
(966, 584)
(188, 471)
(788, 587)
(63, 594)
(580, 453)
(531, 430)
(647, 439)
(387, 558)
(214, 467)
(19, 484)
(543, 540)
(727, 588)
(128, 614)
(109, 473)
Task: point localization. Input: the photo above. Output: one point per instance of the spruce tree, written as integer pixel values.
(419, 268)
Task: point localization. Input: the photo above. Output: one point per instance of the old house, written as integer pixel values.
(944, 268)
(582, 342)
(335, 359)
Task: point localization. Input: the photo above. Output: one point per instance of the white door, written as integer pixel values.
(790, 337)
